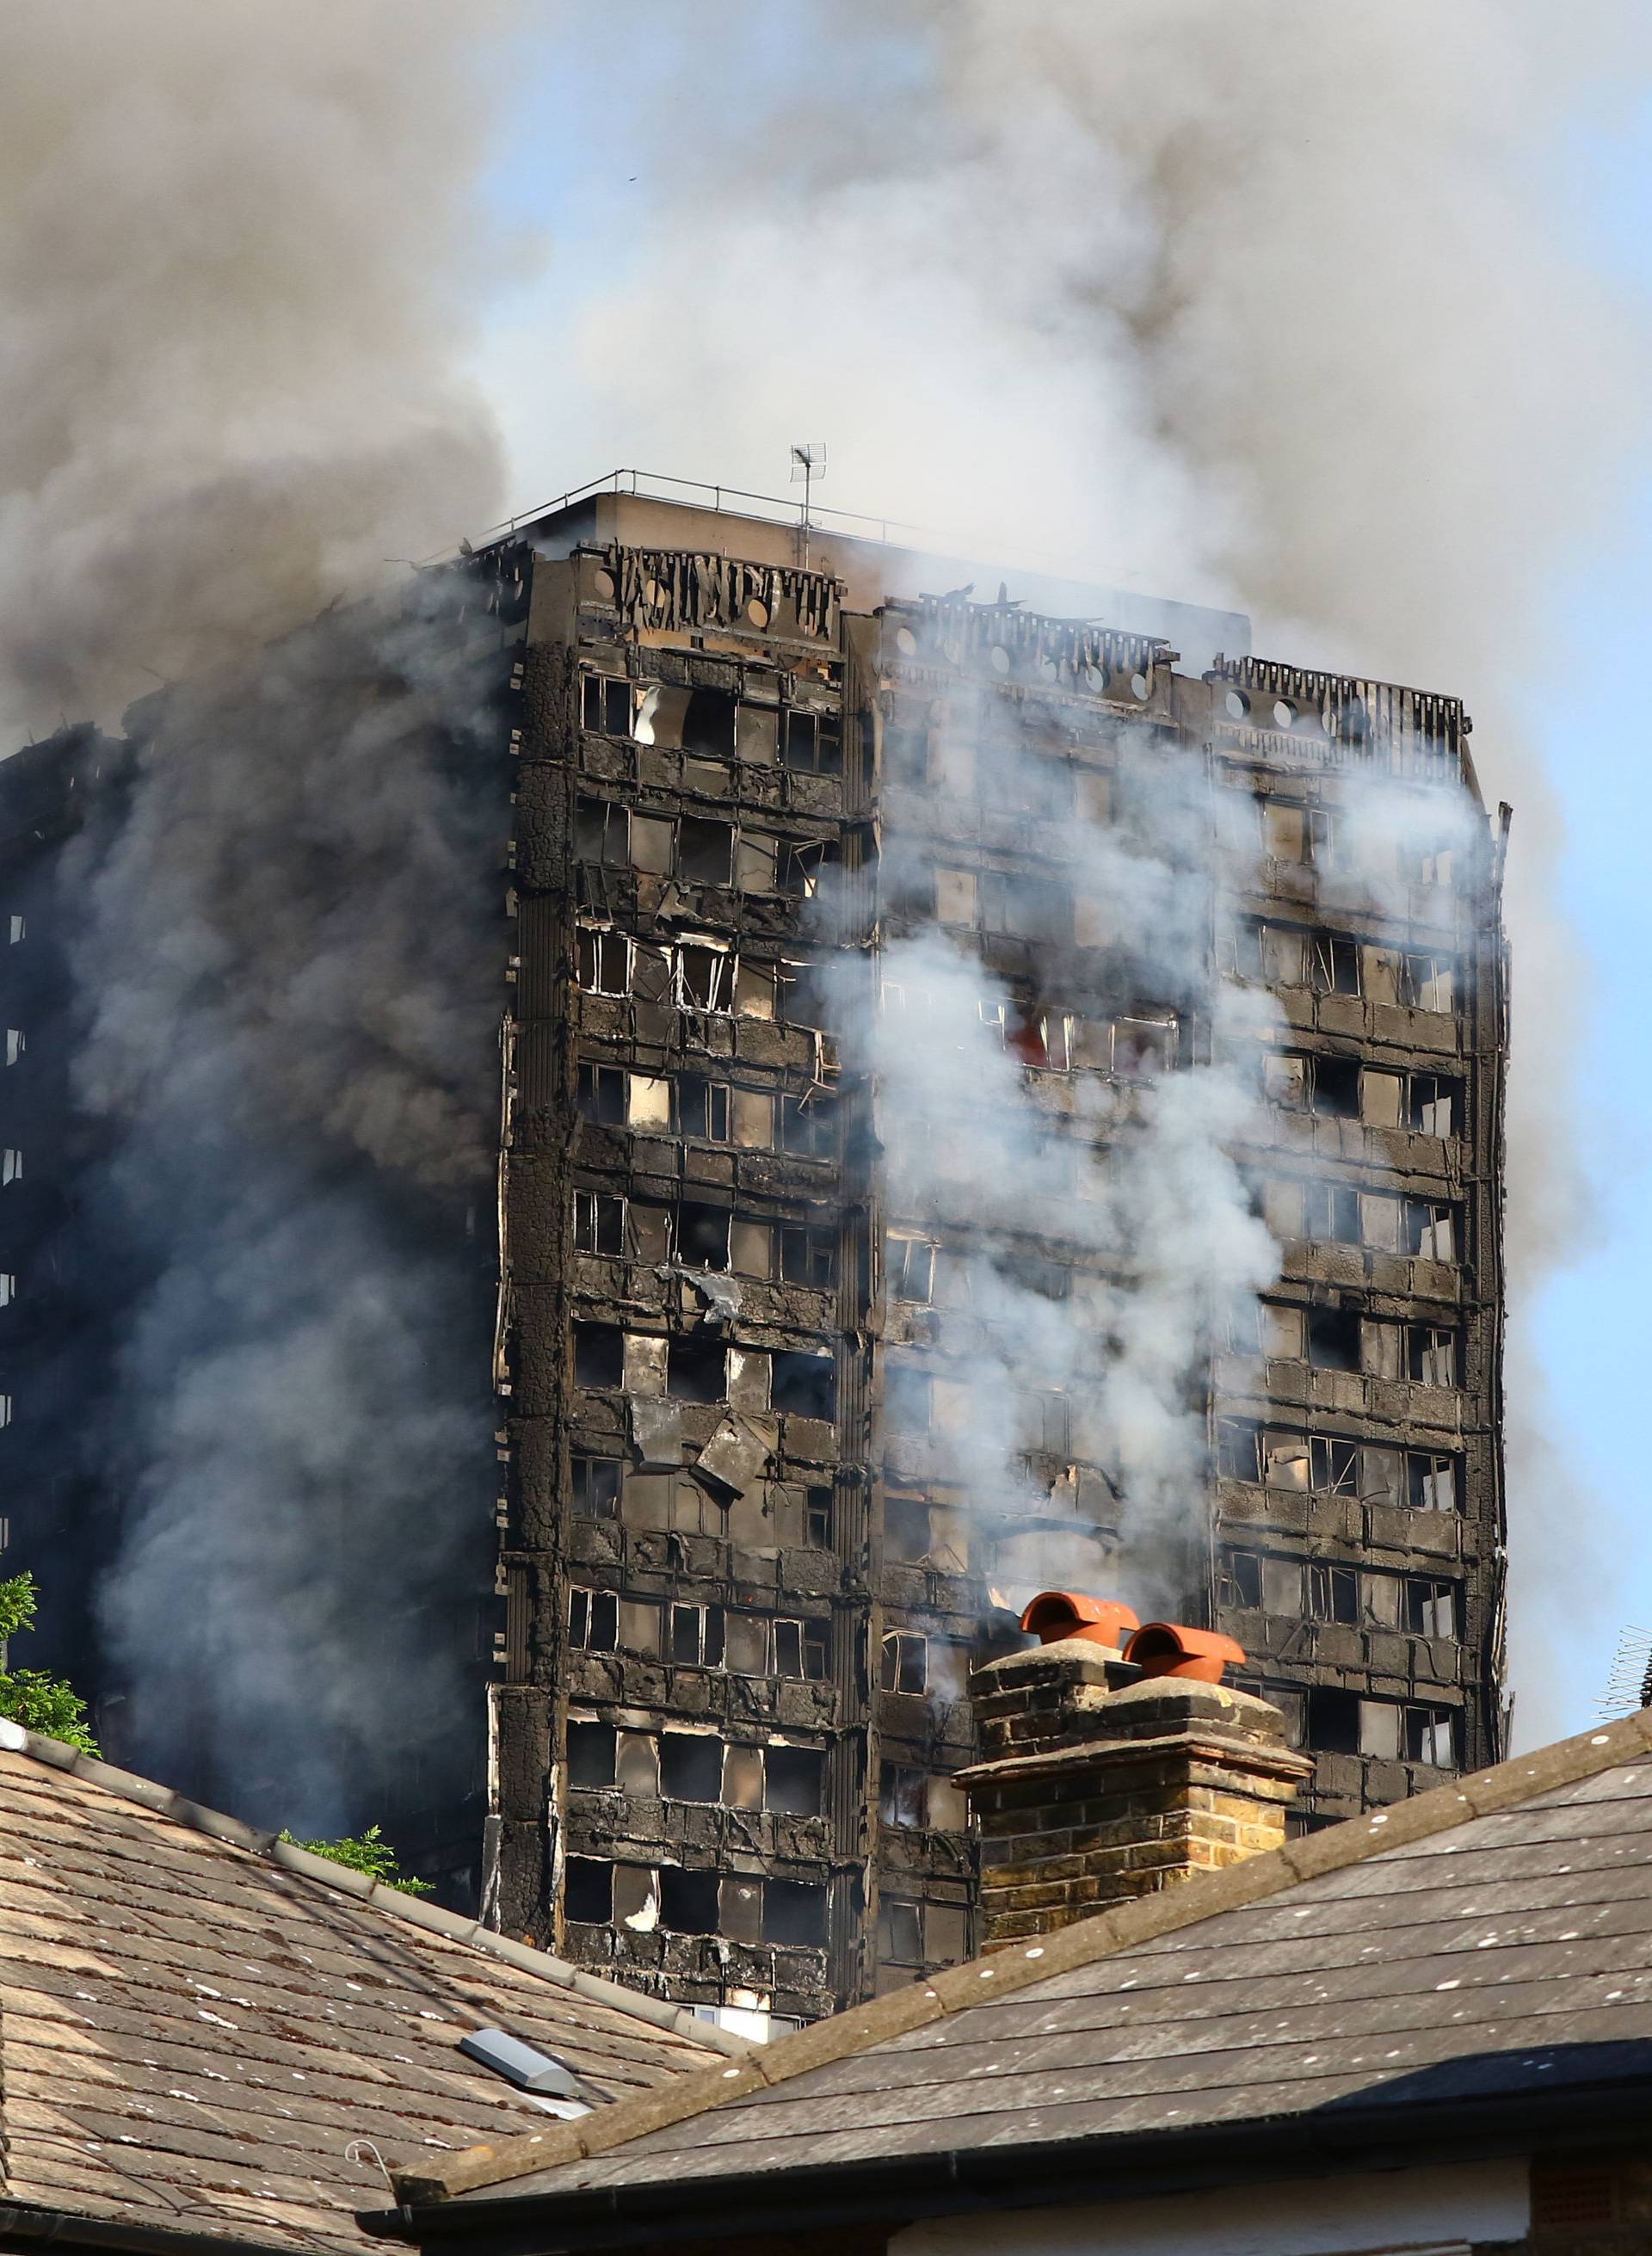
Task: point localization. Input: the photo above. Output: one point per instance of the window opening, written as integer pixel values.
(605, 705)
(587, 1891)
(602, 960)
(910, 1268)
(597, 1484)
(602, 1094)
(593, 1619)
(599, 1356)
(697, 1636)
(805, 1385)
(599, 1223)
(814, 741)
(904, 1663)
(590, 1755)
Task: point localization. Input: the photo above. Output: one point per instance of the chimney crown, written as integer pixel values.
(1098, 1781)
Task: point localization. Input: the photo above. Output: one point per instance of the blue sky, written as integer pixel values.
(580, 161)
(1593, 1319)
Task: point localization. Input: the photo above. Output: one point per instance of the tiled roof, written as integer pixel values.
(1488, 1933)
(197, 2023)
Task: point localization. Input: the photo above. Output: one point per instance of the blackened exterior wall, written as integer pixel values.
(709, 1779)
(737, 1593)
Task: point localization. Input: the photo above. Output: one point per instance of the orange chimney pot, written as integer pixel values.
(1055, 1614)
(1171, 1649)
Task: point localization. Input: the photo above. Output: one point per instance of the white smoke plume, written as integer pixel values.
(1275, 305)
(1100, 1369)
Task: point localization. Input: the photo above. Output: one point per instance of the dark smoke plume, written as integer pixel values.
(290, 959)
(239, 253)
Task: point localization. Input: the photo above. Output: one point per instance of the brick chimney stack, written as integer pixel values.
(1109, 1771)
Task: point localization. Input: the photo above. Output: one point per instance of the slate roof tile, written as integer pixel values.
(195, 2026)
(1420, 1939)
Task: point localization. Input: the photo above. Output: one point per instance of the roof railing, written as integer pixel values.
(655, 485)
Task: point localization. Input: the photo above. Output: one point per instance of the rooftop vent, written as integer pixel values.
(545, 2079)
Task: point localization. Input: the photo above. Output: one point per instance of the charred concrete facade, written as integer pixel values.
(740, 1578)
(741, 1591)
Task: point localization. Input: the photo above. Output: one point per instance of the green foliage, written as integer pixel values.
(30, 1696)
(366, 1853)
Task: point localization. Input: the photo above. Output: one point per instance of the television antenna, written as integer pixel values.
(1630, 1686)
(808, 464)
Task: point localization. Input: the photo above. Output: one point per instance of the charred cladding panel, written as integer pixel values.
(985, 1107)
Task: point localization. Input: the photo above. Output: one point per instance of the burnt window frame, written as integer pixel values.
(600, 1094)
(1334, 964)
(594, 1485)
(819, 1515)
(1423, 1341)
(610, 954)
(717, 996)
(1421, 1720)
(592, 1614)
(896, 1650)
(705, 1634)
(1330, 1212)
(599, 1223)
(812, 1639)
(1426, 1091)
(604, 698)
(707, 1100)
(1331, 1592)
(811, 742)
(801, 865)
(809, 1255)
(925, 1252)
(602, 832)
(1418, 1593)
(809, 1126)
(1238, 1579)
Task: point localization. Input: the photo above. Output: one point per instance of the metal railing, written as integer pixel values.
(655, 485)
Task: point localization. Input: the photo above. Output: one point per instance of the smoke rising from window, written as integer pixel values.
(1071, 1400)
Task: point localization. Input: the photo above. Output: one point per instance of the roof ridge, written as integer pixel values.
(127, 1786)
(1018, 1966)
